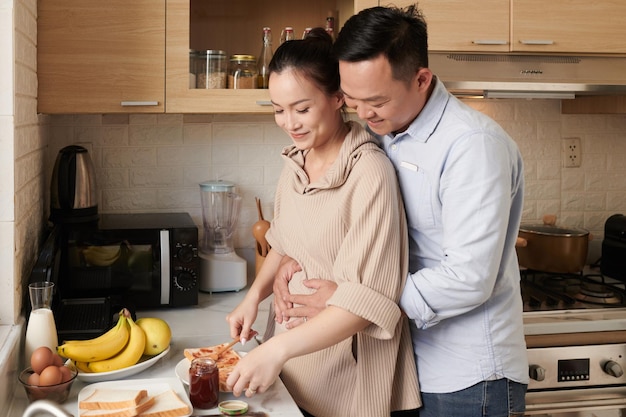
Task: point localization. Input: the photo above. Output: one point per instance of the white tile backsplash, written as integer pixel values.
(154, 162)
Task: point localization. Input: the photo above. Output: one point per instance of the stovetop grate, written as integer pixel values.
(543, 291)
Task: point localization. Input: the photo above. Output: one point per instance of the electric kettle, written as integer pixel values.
(73, 196)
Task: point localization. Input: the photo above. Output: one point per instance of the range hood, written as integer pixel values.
(529, 76)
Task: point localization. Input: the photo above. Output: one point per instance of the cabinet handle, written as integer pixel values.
(537, 42)
(489, 42)
(139, 103)
(263, 103)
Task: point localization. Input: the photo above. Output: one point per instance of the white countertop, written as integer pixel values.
(201, 325)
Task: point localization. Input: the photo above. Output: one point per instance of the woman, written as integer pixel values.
(339, 214)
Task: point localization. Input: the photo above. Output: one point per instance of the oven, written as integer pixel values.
(575, 328)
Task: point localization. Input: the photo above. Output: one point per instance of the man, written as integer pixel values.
(462, 182)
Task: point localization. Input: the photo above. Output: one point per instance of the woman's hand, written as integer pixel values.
(241, 319)
(256, 371)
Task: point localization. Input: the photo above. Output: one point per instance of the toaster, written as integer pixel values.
(613, 262)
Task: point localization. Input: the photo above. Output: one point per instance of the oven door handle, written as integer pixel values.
(579, 404)
(164, 244)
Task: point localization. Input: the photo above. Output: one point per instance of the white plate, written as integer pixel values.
(121, 373)
(154, 386)
(182, 368)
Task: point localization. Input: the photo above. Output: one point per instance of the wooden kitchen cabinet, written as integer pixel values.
(459, 25)
(101, 56)
(119, 56)
(535, 26)
(569, 26)
(234, 26)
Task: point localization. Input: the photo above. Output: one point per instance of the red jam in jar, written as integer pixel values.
(204, 382)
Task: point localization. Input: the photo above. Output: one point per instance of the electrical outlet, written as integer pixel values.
(572, 152)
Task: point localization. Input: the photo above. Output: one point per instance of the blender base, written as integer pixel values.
(221, 272)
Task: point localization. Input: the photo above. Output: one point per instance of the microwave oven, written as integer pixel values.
(138, 261)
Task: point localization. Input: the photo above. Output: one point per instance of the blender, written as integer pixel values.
(221, 269)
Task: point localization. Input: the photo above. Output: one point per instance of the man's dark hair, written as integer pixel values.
(397, 33)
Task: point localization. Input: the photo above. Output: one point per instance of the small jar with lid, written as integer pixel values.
(211, 69)
(204, 389)
(243, 72)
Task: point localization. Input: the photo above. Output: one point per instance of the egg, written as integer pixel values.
(50, 376)
(33, 379)
(57, 360)
(41, 358)
(66, 373)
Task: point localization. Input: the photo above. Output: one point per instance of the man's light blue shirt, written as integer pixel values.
(462, 181)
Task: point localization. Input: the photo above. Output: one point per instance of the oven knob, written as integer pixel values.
(185, 254)
(185, 280)
(536, 372)
(613, 368)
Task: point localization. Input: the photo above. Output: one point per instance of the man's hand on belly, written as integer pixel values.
(307, 306)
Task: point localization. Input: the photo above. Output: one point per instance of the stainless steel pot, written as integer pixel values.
(550, 248)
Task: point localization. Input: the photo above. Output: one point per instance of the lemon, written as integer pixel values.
(158, 334)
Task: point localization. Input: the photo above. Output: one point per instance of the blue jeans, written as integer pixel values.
(500, 398)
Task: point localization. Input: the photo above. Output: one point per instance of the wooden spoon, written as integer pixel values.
(258, 230)
(258, 208)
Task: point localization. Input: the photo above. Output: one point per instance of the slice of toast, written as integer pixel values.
(144, 404)
(167, 404)
(113, 399)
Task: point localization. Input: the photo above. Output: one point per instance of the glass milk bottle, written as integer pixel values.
(41, 329)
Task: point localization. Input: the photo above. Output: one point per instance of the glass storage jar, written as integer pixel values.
(193, 64)
(243, 72)
(211, 69)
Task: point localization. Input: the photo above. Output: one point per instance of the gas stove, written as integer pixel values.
(542, 291)
(575, 328)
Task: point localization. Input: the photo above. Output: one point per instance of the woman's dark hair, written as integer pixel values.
(398, 34)
(312, 57)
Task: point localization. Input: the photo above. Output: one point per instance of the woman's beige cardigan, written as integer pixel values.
(350, 227)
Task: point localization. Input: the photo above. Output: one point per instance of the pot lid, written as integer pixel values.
(548, 230)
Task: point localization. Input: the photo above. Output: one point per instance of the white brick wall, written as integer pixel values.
(155, 162)
(21, 176)
(21, 153)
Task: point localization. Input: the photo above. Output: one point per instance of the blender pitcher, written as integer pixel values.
(221, 269)
(220, 212)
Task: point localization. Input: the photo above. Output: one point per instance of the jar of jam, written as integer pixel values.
(204, 383)
(243, 72)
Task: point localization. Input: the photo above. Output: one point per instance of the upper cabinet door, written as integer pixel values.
(576, 26)
(461, 25)
(101, 56)
(236, 27)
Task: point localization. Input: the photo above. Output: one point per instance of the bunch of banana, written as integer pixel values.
(99, 348)
(102, 255)
(130, 355)
(119, 348)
